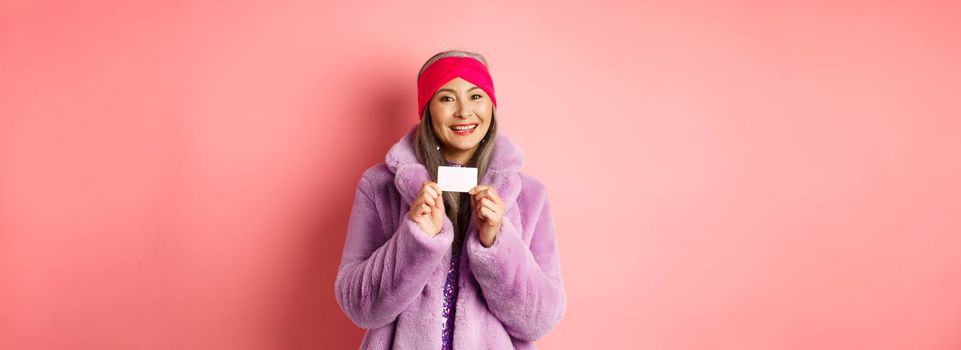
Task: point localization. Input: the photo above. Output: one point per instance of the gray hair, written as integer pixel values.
(427, 147)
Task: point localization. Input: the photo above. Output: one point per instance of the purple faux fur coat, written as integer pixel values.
(391, 277)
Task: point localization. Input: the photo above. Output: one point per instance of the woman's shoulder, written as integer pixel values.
(378, 172)
(531, 187)
(375, 178)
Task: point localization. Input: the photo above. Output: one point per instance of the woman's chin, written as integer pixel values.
(463, 146)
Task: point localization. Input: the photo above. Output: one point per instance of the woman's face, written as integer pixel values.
(461, 114)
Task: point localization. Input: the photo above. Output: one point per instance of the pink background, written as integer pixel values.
(738, 175)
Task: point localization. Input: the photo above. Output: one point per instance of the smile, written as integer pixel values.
(464, 129)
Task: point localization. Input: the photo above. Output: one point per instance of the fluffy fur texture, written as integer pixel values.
(391, 277)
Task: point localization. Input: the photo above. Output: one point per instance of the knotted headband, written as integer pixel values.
(443, 70)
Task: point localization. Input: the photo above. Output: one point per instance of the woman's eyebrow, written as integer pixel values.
(454, 92)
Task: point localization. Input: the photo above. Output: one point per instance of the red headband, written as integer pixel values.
(443, 70)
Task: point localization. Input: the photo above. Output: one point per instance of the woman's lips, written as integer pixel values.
(463, 129)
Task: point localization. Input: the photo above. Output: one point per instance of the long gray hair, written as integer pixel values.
(429, 152)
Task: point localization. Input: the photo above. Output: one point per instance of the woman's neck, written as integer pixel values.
(461, 157)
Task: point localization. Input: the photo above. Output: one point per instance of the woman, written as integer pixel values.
(426, 269)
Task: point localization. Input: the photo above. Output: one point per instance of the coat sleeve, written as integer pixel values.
(522, 284)
(378, 278)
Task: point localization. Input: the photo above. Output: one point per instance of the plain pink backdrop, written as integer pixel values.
(724, 175)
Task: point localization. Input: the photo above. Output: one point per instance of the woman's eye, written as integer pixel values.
(446, 98)
(476, 96)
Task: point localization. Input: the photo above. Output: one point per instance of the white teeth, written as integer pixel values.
(464, 128)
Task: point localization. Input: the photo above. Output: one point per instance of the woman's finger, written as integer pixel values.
(478, 188)
(429, 191)
(488, 203)
(481, 193)
(427, 185)
(494, 213)
(492, 194)
(488, 213)
(496, 197)
(488, 192)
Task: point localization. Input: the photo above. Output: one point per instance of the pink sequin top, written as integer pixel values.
(451, 288)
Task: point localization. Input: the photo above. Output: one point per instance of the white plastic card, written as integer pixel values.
(456, 179)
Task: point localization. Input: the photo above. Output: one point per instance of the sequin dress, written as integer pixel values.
(450, 301)
(451, 288)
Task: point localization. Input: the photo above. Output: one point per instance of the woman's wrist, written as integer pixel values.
(487, 243)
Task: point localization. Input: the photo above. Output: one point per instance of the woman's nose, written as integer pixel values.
(462, 111)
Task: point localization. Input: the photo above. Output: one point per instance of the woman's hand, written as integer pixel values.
(427, 210)
(488, 213)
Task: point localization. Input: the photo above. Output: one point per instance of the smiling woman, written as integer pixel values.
(423, 268)
(445, 135)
